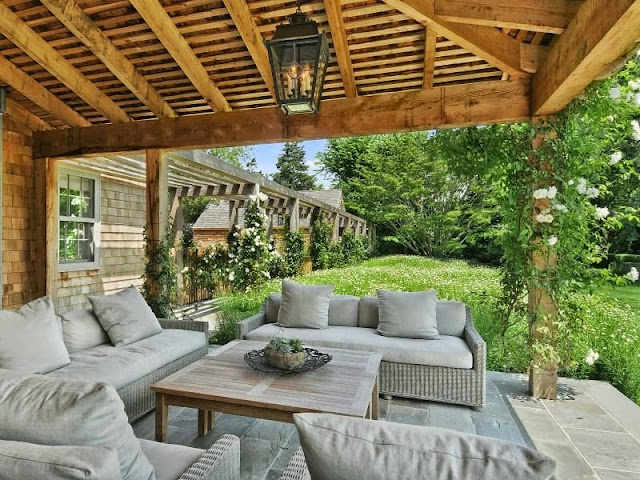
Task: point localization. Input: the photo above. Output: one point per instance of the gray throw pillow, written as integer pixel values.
(125, 316)
(20, 460)
(337, 447)
(343, 310)
(82, 330)
(50, 411)
(273, 307)
(304, 306)
(408, 314)
(31, 338)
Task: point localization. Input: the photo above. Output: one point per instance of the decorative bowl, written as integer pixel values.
(283, 360)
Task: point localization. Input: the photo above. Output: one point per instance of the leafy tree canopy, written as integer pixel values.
(242, 157)
(293, 172)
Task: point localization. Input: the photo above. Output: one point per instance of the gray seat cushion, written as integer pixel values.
(305, 306)
(123, 365)
(449, 351)
(337, 447)
(125, 316)
(31, 338)
(28, 461)
(82, 330)
(170, 461)
(48, 411)
(407, 314)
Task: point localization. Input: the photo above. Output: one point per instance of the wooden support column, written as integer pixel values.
(157, 202)
(294, 214)
(336, 228)
(233, 213)
(46, 220)
(542, 310)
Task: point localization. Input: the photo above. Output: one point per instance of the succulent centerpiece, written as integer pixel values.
(285, 354)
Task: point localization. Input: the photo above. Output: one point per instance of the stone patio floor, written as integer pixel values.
(592, 431)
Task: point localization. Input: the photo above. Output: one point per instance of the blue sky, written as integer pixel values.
(267, 154)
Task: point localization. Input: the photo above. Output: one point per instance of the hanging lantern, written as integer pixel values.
(299, 55)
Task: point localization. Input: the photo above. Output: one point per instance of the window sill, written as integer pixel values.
(77, 267)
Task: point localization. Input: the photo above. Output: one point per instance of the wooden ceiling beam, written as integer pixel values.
(80, 24)
(430, 43)
(488, 43)
(25, 118)
(341, 46)
(163, 27)
(549, 16)
(33, 45)
(597, 37)
(252, 38)
(34, 91)
(449, 106)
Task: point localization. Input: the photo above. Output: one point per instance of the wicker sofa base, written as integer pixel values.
(440, 384)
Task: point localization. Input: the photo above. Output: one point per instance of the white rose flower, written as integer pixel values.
(560, 207)
(540, 193)
(615, 158)
(253, 249)
(614, 93)
(552, 192)
(593, 192)
(570, 182)
(232, 276)
(184, 270)
(266, 274)
(582, 186)
(633, 274)
(602, 212)
(634, 85)
(592, 357)
(544, 218)
(636, 100)
(262, 197)
(252, 198)
(552, 240)
(246, 269)
(636, 130)
(611, 118)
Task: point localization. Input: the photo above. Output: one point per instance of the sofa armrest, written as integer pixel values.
(251, 323)
(297, 468)
(475, 343)
(186, 325)
(220, 462)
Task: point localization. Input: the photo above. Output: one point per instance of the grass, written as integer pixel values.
(607, 321)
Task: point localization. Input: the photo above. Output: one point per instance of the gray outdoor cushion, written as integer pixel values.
(449, 351)
(368, 312)
(28, 461)
(304, 306)
(49, 411)
(407, 314)
(125, 316)
(343, 310)
(337, 447)
(123, 365)
(31, 338)
(273, 307)
(82, 330)
(451, 317)
(170, 461)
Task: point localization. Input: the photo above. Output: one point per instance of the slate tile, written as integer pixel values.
(618, 451)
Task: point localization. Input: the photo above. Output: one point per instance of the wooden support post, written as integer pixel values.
(233, 213)
(269, 212)
(294, 214)
(157, 202)
(543, 373)
(336, 228)
(46, 220)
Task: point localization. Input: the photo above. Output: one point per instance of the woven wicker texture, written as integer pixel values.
(220, 462)
(297, 468)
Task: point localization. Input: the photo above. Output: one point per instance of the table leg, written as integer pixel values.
(161, 418)
(212, 419)
(203, 422)
(374, 400)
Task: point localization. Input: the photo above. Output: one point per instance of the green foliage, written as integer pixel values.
(206, 269)
(226, 328)
(354, 248)
(239, 156)
(335, 256)
(293, 172)
(160, 289)
(320, 239)
(192, 207)
(294, 253)
(285, 345)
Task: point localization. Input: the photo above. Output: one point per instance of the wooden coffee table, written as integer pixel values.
(223, 382)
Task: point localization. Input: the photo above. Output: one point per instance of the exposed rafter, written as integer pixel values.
(487, 43)
(248, 30)
(18, 32)
(340, 46)
(550, 16)
(159, 21)
(430, 40)
(24, 117)
(80, 24)
(591, 43)
(34, 91)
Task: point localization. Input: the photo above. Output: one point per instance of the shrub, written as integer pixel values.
(226, 331)
(354, 248)
(293, 252)
(335, 256)
(206, 269)
(161, 271)
(319, 247)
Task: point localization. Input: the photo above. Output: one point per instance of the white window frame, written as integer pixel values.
(80, 265)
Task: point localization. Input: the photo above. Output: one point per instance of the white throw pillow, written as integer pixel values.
(125, 316)
(31, 338)
(82, 330)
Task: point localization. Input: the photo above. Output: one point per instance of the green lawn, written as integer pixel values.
(607, 321)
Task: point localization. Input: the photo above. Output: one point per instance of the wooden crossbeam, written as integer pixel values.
(488, 43)
(72, 16)
(163, 27)
(430, 41)
(34, 91)
(340, 46)
(440, 107)
(550, 16)
(12, 27)
(25, 118)
(248, 30)
(593, 41)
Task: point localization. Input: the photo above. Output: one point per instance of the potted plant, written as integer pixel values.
(285, 354)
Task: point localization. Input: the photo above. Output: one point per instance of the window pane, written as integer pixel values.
(88, 191)
(64, 195)
(76, 242)
(75, 199)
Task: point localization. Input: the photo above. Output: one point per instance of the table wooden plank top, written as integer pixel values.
(343, 386)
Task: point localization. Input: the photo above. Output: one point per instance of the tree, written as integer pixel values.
(293, 172)
(242, 157)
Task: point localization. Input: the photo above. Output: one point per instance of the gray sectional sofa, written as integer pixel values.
(451, 370)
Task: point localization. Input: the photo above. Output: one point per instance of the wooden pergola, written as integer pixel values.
(95, 77)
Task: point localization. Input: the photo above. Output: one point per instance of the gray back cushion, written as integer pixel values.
(82, 330)
(408, 314)
(273, 307)
(343, 310)
(368, 312)
(304, 306)
(20, 460)
(125, 316)
(376, 450)
(47, 411)
(31, 338)
(451, 316)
